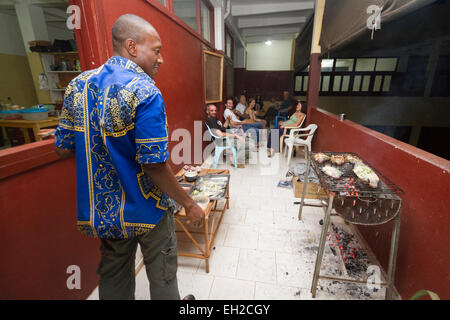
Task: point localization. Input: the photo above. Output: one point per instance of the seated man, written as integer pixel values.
(241, 107)
(272, 111)
(287, 104)
(245, 125)
(220, 130)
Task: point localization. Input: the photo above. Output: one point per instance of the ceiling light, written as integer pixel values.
(268, 43)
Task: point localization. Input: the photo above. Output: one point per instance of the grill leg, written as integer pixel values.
(393, 257)
(323, 238)
(306, 179)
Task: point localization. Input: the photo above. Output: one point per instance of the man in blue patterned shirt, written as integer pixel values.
(113, 120)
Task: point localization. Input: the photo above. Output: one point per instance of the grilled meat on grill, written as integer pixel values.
(352, 159)
(339, 160)
(332, 172)
(366, 174)
(321, 157)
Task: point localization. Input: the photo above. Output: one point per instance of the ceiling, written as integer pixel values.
(261, 20)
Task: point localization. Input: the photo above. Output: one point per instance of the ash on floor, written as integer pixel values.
(345, 258)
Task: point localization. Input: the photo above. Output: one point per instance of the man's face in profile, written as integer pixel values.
(149, 53)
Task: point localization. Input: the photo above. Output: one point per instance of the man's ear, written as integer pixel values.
(131, 47)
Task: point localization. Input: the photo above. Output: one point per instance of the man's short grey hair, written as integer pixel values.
(129, 26)
(209, 105)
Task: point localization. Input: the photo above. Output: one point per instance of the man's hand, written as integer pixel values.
(194, 212)
(162, 176)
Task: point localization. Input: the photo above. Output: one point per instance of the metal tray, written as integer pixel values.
(178, 206)
(223, 179)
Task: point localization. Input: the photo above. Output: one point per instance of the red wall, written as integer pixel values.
(423, 255)
(38, 226)
(180, 78)
(265, 83)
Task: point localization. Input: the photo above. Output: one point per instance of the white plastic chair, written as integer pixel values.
(221, 144)
(285, 135)
(296, 139)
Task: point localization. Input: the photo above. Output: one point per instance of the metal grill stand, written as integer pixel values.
(328, 206)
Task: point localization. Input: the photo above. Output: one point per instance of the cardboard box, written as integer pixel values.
(313, 190)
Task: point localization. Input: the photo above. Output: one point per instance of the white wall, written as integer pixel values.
(59, 33)
(269, 58)
(10, 36)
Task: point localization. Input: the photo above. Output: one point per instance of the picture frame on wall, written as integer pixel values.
(213, 68)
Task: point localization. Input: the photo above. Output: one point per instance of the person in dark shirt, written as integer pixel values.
(287, 104)
(219, 129)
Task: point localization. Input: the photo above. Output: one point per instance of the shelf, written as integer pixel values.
(59, 53)
(63, 71)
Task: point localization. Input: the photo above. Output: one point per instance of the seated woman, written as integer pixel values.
(250, 111)
(293, 122)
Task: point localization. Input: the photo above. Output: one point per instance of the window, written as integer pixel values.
(298, 83)
(386, 64)
(387, 83)
(186, 10)
(345, 83)
(356, 83)
(365, 64)
(163, 2)
(301, 83)
(326, 83)
(354, 76)
(365, 84)
(197, 14)
(337, 83)
(305, 83)
(327, 65)
(344, 65)
(377, 83)
(206, 21)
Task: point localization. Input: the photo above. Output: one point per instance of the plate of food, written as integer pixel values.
(214, 186)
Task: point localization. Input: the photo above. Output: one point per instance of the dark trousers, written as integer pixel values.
(117, 265)
(275, 134)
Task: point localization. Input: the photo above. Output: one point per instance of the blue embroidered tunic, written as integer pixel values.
(114, 118)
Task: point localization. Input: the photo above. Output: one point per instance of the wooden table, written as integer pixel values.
(24, 125)
(211, 212)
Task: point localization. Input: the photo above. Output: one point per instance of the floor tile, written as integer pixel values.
(222, 262)
(274, 239)
(194, 283)
(242, 236)
(257, 265)
(232, 289)
(266, 291)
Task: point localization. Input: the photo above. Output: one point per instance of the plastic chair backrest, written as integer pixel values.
(218, 141)
(301, 123)
(312, 128)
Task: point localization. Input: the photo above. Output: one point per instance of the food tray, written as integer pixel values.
(221, 180)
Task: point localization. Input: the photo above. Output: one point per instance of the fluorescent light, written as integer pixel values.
(268, 43)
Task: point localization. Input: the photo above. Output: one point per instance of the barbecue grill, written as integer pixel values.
(357, 203)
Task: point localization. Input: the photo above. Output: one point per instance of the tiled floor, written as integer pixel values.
(262, 250)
